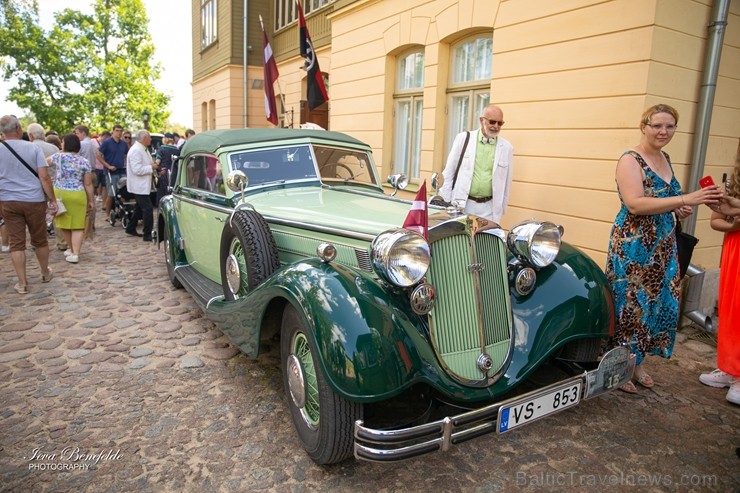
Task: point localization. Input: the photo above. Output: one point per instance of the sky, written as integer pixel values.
(170, 27)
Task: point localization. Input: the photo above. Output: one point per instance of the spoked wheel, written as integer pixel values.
(248, 254)
(112, 218)
(324, 420)
(125, 220)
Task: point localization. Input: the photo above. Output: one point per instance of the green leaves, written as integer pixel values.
(95, 69)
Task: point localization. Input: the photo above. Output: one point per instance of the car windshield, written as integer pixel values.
(276, 165)
(344, 165)
(296, 163)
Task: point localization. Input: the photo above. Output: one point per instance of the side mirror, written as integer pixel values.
(237, 181)
(437, 199)
(399, 182)
(436, 182)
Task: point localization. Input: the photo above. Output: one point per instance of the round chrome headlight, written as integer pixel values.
(537, 243)
(400, 256)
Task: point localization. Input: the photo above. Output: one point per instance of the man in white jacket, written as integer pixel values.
(139, 172)
(483, 180)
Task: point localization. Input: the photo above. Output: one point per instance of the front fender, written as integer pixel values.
(368, 346)
(167, 227)
(571, 301)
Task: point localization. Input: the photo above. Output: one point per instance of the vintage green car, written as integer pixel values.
(392, 344)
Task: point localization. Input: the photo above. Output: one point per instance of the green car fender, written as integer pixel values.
(167, 227)
(369, 348)
(571, 300)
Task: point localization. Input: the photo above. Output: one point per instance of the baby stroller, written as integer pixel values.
(124, 204)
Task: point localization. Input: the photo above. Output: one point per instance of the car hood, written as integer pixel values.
(362, 212)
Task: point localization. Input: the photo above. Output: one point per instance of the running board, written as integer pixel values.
(203, 290)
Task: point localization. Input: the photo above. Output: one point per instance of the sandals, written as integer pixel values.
(646, 381)
(49, 275)
(629, 387)
(20, 289)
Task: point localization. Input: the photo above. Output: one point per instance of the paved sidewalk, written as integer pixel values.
(111, 380)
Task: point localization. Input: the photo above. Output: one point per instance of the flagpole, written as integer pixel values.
(282, 96)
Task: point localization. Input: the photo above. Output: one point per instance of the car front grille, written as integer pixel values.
(472, 315)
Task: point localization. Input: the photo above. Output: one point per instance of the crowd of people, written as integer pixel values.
(71, 175)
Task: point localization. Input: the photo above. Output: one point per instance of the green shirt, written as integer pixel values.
(482, 184)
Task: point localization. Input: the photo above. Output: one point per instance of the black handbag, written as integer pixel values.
(685, 244)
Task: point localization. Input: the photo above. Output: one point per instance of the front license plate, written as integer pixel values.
(528, 409)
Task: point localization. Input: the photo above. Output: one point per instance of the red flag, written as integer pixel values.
(315, 81)
(271, 75)
(418, 218)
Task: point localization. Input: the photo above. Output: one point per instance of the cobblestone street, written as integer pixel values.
(113, 381)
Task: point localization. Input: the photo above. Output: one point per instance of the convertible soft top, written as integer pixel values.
(212, 140)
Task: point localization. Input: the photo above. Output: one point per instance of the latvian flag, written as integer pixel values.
(418, 218)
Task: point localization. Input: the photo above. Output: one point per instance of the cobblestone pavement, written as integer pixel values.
(112, 381)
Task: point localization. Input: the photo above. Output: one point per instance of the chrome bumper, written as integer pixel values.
(615, 369)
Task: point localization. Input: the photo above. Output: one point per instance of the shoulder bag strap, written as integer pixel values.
(21, 159)
(462, 153)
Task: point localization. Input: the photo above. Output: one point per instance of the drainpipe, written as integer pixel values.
(694, 274)
(706, 99)
(244, 61)
(692, 297)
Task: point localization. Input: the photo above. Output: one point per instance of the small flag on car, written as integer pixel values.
(418, 218)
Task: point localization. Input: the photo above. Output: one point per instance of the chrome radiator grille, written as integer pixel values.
(472, 315)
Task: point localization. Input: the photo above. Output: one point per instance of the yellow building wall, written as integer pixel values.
(225, 86)
(572, 78)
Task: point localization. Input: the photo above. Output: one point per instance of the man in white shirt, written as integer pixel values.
(139, 173)
(179, 141)
(480, 167)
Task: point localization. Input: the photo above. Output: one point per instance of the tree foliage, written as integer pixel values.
(95, 69)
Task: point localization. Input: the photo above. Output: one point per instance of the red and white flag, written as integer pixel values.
(271, 75)
(418, 218)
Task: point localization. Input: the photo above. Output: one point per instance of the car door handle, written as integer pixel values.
(219, 218)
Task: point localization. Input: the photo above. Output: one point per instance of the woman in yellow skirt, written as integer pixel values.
(73, 185)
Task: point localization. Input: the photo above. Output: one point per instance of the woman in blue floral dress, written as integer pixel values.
(73, 185)
(642, 265)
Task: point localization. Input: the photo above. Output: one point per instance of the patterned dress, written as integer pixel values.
(642, 268)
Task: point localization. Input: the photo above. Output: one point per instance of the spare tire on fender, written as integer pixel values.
(248, 254)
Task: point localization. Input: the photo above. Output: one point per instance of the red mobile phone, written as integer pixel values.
(706, 182)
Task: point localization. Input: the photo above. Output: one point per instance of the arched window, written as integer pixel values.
(470, 82)
(407, 110)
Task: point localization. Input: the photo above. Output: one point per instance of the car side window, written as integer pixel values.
(204, 173)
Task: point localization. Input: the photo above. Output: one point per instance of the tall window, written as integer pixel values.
(286, 11)
(469, 89)
(208, 22)
(407, 108)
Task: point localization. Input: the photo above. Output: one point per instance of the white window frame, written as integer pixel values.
(468, 91)
(408, 106)
(286, 11)
(208, 23)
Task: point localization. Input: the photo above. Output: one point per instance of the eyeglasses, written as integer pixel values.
(127, 137)
(658, 128)
(500, 123)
